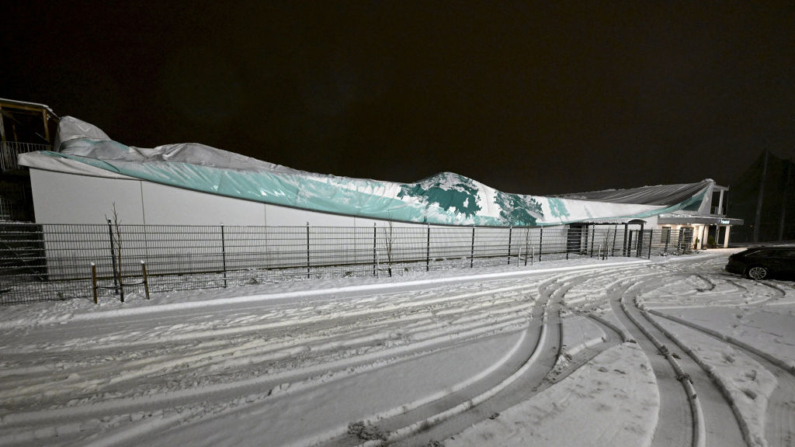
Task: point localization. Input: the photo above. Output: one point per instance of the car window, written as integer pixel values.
(772, 253)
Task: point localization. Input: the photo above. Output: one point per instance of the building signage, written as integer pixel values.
(725, 221)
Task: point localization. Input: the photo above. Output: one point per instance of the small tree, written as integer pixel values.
(388, 240)
(116, 239)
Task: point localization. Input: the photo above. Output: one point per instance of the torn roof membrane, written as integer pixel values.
(444, 199)
(648, 195)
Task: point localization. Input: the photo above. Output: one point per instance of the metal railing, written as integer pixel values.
(9, 150)
(40, 262)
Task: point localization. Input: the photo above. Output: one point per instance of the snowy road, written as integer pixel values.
(673, 352)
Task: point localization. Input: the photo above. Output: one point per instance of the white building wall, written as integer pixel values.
(651, 223)
(76, 199)
(164, 205)
(278, 216)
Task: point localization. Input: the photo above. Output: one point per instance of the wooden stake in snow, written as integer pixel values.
(94, 280)
(146, 281)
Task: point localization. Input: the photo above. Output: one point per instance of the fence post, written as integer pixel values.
(472, 252)
(540, 243)
(585, 233)
(526, 240)
(615, 234)
(510, 236)
(640, 242)
(146, 280)
(680, 237)
(593, 237)
(94, 280)
(307, 250)
(629, 246)
(375, 252)
(223, 252)
(625, 247)
(651, 237)
(568, 247)
(678, 241)
(428, 250)
(113, 258)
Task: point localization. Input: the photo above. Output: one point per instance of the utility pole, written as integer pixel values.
(758, 218)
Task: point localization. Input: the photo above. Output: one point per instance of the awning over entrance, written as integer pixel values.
(683, 219)
(613, 221)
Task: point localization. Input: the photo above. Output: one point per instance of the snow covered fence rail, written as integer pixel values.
(41, 262)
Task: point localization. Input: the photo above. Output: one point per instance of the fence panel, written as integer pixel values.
(40, 262)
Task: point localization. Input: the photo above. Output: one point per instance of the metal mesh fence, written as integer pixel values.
(40, 262)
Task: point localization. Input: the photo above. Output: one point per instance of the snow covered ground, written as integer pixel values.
(623, 352)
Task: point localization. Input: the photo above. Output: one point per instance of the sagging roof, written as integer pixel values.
(648, 195)
(445, 199)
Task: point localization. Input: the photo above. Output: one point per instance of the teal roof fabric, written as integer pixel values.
(446, 198)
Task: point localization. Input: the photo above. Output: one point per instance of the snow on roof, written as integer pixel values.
(444, 199)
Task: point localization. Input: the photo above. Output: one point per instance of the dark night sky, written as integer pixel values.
(527, 99)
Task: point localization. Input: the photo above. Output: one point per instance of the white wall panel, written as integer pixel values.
(365, 222)
(68, 198)
(282, 216)
(168, 205)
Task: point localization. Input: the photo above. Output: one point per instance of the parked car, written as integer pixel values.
(763, 262)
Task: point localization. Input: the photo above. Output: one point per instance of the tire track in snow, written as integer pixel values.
(549, 340)
(707, 278)
(390, 322)
(446, 395)
(216, 396)
(779, 420)
(675, 403)
(710, 407)
(526, 382)
(307, 318)
(417, 324)
(487, 324)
